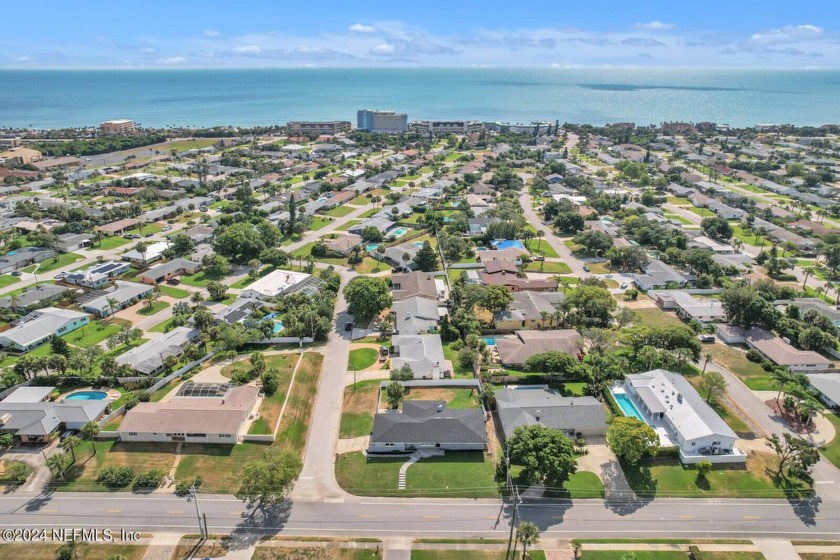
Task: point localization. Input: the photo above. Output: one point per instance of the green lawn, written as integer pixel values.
(318, 222)
(471, 554)
(81, 477)
(161, 327)
(678, 200)
(362, 358)
(339, 211)
(348, 225)
(279, 361)
(735, 360)
(94, 333)
(358, 409)
(143, 229)
(8, 280)
(176, 293)
(369, 213)
(113, 242)
(455, 398)
(64, 259)
(452, 356)
(640, 554)
(832, 450)
(655, 317)
(248, 280)
(194, 144)
(550, 267)
(668, 478)
(200, 279)
(739, 233)
(156, 307)
(678, 218)
(369, 264)
(582, 484)
(468, 474)
(541, 247)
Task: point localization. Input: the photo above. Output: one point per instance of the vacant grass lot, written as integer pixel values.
(654, 316)
(88, 551)
(471, 554)
(176, 293)
(549, 267)
(271, 405)
(295, 423)
(156, 307)
(668, 478)
(734, 358)
(362, 358)
(468, 474)
(109, 243)
(452, 356)
(64, 259)
(454, 398)
(359, 408)
(339, 211)
(81, 477)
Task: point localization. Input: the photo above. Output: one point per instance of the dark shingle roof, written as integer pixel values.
(421, 422)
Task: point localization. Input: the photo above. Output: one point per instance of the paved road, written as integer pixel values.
(552, 239)
(377, 517)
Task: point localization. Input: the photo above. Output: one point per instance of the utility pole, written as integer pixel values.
(514, 502)
(194, 497)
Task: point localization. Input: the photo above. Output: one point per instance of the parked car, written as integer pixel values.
(148, 235)
(61, 276)
(585, 268)
(16, 273)
(166, 228)
(67, 433)
(707, 338)
(383, 353)
(348, 327)
(170, 221)
(173, 281)
(623, 286)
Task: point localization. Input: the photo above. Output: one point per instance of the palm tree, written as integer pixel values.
(781, 377)
(807, 409)
(540, 234)
(808, 271)
(528, 534)
(55, 463)
(196, 298)
(150, 299)
(544, 315)
(707, 357)
(70, 444)
(141, 248)
(113, 304)
(89, 431)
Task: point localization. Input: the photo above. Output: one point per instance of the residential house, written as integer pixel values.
(704, 242)
(238, 311)
(818, 305)
(547, 407)
(343, 243)
(509, 255)
(515, 349)
(281, 282)
(428, 424)
(34, 297)
(827, 386)
(658, 275)
(70, 242)
(167, 270)
(154, 252)
(725, 211)
(24, 257)
(527, 309)
(688, 307)
(422, 352)
(29, 414)
(124, 294)
(119, 226)
(384, 225)
(97, 275)
(742, 263)
(199, 234)
(198, 413)
(413, 284)
(681, 417)
(415, 315)
(148, 358)
(502, 273)
(41, 326)
(774, 348)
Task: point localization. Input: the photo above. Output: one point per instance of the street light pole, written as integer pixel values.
(194, 496)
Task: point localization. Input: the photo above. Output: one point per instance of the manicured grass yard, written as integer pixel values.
(176, 293)
(452, 356)
(655, 317)
(140, 456)
(669, 478)
(113, 242)
(161, 327)
(455, 398)
(64, 259)
(735, 360)
(8, 280)
(200, 279)
(471, 554)
(541, 247)
(359, 407)
(348, 225)
(271, 553)
(156, 307)
(88, 551)
(832, 450)
(339, 211)
(95, 332)
(318, 222)
(640, 554)
(369, 264)
(362, 358)
(468, 474)
(549, 267)
(271, 405)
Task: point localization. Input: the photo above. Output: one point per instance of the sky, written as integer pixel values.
(432, 33)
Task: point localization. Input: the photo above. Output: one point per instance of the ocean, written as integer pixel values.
(161, 98)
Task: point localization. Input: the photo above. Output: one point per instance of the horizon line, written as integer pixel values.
(466, 67)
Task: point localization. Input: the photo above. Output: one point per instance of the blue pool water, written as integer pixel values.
(86, 396)
(529, 388)
(278, 324)
(399, 232)
(10, 253)
(508, 244)
(322, 199)
(627, 406)
(371, 247)
(490, 340)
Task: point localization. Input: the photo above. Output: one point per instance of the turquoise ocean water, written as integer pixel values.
(52, 99)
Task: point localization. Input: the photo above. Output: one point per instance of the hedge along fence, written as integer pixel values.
(611, 403)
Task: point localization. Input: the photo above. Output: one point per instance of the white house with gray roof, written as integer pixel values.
(123, 295)
(681, 417)
(40, 327)
(658, 275)
(547, 407)
(430, 425)
(827, 386)
(422, 352)
(28, 414)
(147, 359)
(689, 307)
(37, 296)
(415, 315)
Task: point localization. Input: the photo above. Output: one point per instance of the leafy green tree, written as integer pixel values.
(268, 479)
(797, 456)
(181, 244)
(556, 363)
(395, 392)
(593, 306)
(217, 290)
(547, 455)
(594, 242)
(716, 228)
(713, 384)
(426, 258)
(60, 346)
(367, 296)
(631, 439)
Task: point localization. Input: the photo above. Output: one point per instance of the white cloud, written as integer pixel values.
(788, 34)
(383, 49)
(654, 25)
(148, 50)
(172, 60)
(211, 33)
(362, 28)
(23, 59)
(247, 49)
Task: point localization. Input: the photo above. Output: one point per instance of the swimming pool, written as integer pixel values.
(627, 407)
(322, 199)
(371, 247)
(490, 340)
(508, 244)
(399, 232)
(86, 396)
(278, 324)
